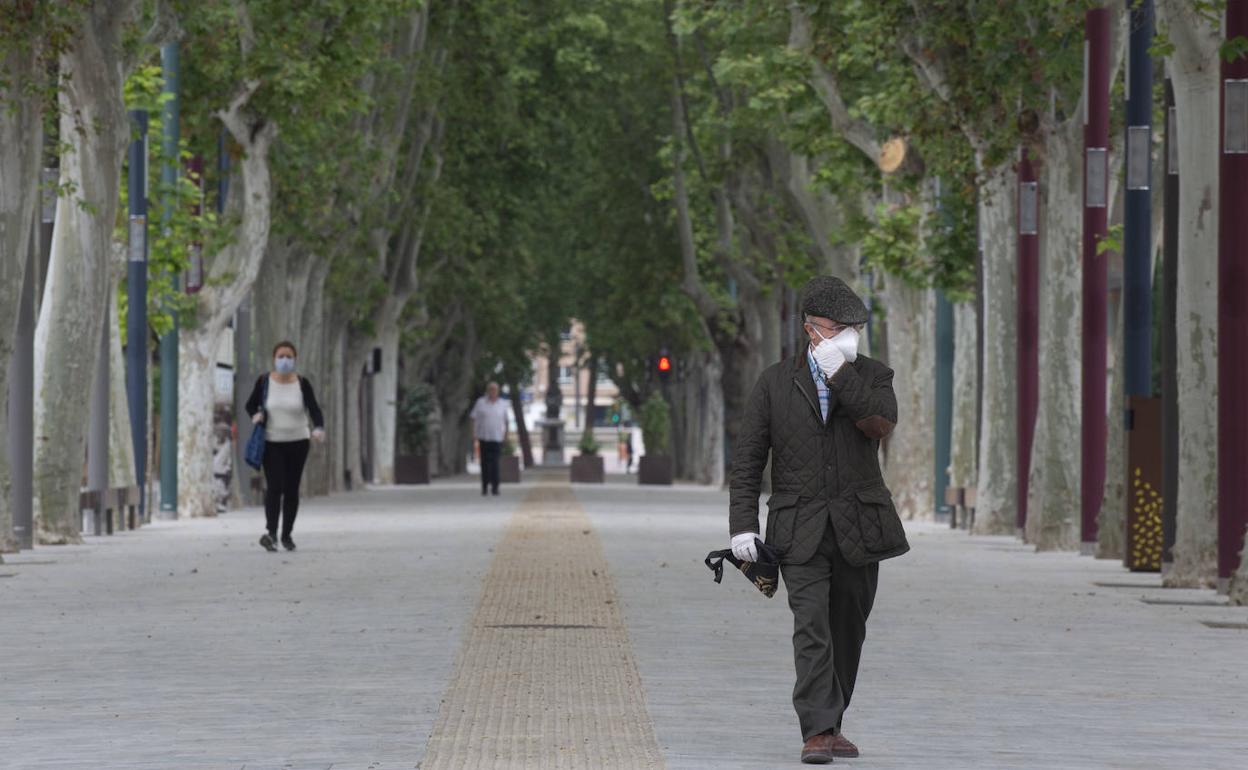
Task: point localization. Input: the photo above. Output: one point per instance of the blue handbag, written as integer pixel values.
(254, 456)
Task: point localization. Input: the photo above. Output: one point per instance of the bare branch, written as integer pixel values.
(233, 118)
(246, 31)
(855, 131)
(164, 29)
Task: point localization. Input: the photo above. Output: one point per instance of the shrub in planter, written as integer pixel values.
(656, 466)
(587, 467)
(508, 463)
(411, 466)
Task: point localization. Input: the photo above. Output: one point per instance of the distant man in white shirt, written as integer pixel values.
(489, 426)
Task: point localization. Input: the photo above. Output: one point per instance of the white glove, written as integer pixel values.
(257, 418)
(318, 435)
(743, 546)
(829, 357)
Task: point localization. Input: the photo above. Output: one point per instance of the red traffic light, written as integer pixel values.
(665, 364)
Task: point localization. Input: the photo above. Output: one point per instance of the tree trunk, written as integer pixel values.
(1111, 521)
(316, 353)
(197, 370)
(120, 443)
(21, 144)
(699, 445)
(997, 475)
(453, 383)
(1194, 71)
(270, 311)
(963, 459)
(230, 276)
(337, 417)
(356, 357)
(522, 428)
(385, 408)
(94, 123)
(1239, 581)
(912, 356)
(1053, 490)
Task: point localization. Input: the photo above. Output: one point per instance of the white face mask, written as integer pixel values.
(846, 342)
(284, 364)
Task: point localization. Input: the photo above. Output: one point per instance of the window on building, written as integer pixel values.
(566, 375)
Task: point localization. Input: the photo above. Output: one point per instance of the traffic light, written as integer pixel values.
(664, 365)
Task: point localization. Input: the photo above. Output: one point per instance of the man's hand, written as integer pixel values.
(257, 418)
(830, 358)
(743, 546)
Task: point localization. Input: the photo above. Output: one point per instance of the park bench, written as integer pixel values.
(107, 511)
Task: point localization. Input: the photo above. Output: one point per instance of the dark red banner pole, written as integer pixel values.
(1232, 310)
(1028, 310)
(1095, 276)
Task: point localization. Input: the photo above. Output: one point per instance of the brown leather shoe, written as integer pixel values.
(842, 747)
(819, 750)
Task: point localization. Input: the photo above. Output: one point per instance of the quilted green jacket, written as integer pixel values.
(821, 472)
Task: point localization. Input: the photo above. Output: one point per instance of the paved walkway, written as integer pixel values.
(399, 636)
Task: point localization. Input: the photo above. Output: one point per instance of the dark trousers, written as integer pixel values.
(283, 470)
(490, 452)
(830, 601)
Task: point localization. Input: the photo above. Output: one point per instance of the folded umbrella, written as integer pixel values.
(764, 573)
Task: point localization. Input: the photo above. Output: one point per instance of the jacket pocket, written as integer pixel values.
(781, 518)
(878, 520)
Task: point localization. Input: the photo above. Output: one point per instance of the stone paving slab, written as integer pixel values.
(186, 645)
(546, 678)
(980, 653)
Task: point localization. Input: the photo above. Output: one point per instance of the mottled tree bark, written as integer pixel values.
(94, 124)
(1194, 71)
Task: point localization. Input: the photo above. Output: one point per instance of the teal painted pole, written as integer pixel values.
(944, 401)
(169, 342)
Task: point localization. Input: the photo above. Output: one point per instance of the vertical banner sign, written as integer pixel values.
(1169, 341)
(1028, 309)
(136, 313)
(1232, 290)
(1143, 418)
(1095, 428)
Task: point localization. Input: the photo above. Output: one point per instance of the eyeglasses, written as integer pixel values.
(836, 329)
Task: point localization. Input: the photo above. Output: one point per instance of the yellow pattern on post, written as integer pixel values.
(546, 677)
(1146, 537)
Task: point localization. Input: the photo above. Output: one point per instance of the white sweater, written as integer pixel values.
(287, 416)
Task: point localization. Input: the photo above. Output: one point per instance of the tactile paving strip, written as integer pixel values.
(546, 678)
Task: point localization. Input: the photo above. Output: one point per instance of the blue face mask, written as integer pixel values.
(284, 364)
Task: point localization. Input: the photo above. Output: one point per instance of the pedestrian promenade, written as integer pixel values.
(576, 627)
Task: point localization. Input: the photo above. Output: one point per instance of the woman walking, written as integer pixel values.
(284, 401)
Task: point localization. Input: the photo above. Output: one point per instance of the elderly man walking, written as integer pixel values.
(821, 415)
(489, 426)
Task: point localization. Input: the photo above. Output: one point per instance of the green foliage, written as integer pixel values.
(588, 445)
(893, 245)
(656, 425)
(1111, 241)
(177, 221)
(415, 406)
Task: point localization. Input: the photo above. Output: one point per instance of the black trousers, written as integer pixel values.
(283, 470)
(830, 601)
(490, 452)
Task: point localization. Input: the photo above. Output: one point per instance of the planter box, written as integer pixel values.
(411, 469)
(588, 469)
(509, 470)
(655, 469)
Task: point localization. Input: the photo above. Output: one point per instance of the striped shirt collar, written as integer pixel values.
(820, 385)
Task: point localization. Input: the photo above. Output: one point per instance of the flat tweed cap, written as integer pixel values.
(829, 297)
